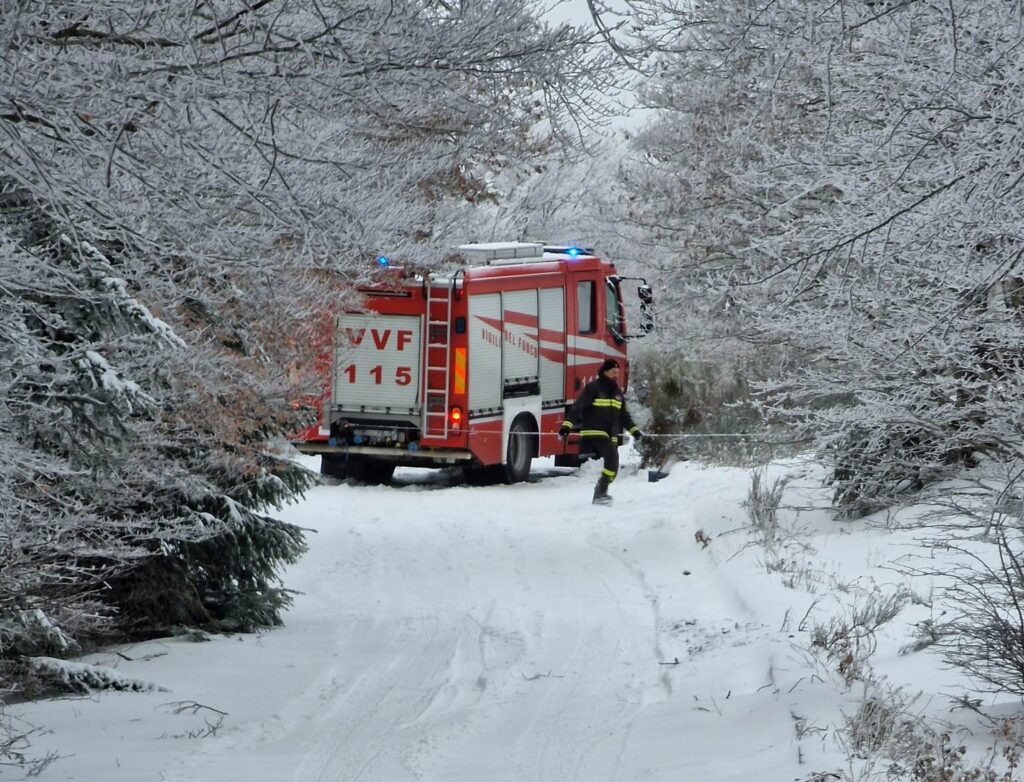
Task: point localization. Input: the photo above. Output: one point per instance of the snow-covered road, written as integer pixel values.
(497, 633)
(515, 644)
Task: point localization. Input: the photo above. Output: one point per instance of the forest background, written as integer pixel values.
(826, 196)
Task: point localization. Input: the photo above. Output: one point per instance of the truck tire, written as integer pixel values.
(522, 445)
(475, 475)
(356, 469)
(376, 473)
(335, 465)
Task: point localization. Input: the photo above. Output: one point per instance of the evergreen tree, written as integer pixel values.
(133, 497)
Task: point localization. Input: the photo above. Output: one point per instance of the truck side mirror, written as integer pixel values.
(646, 296)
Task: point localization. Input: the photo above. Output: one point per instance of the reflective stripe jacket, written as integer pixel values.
(600, 410)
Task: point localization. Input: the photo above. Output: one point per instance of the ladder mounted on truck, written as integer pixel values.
(437, 354)
(437, 350)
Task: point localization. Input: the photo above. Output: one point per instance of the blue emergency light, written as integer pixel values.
(572, 252)
(382, 261)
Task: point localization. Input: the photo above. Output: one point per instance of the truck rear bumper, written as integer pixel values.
(422, 457)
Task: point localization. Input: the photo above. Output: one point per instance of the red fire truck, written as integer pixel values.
(474, 367)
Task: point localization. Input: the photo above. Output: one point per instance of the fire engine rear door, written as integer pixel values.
(377, 363)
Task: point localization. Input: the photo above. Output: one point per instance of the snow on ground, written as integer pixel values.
(446, 632)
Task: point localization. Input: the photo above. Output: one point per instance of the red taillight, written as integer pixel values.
(455, 416)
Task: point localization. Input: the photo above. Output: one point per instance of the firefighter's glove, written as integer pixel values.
(564, 429)
(637, 434)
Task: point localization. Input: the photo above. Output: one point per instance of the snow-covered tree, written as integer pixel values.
(700, 188)
(133, 496)
(251, 149)
(847, 176)
(317, 129)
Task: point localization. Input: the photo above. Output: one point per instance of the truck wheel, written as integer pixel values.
(376, 473)
(335, 466)
(356, 469)
(519, 454)
(481, 476)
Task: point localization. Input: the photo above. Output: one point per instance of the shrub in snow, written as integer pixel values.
(692, 394)
(892, 741)
(224, 581)
(883, 725)
(33, 632)
(987, 633)
(848, 640)
(875, 467)
(51, 673)
(762, 506)
(15, 746)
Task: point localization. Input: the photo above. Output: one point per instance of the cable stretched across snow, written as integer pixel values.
(670, 436)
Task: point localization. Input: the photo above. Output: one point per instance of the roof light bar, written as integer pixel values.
(489, 252)
(572, 250)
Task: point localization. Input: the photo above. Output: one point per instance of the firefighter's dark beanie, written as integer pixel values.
(609, 363)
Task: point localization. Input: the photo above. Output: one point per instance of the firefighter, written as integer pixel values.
(600, 414)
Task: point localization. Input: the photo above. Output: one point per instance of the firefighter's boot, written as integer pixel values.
(601, 496)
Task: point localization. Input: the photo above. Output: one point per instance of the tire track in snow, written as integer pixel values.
(567, 737)
(586, 694)
(358, 729)
(706, 610)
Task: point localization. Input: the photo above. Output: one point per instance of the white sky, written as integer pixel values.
(574, 11)
(519, 633)
(577, 12)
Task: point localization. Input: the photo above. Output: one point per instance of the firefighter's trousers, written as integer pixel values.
(608, 449)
